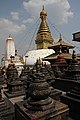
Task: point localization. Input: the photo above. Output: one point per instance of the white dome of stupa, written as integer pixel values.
(31, 56)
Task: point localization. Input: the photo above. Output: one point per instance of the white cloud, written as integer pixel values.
(29, 20)
(9, 26)
(15, 15)
(58, 10)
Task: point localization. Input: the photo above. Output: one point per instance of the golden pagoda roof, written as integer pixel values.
(62, 43)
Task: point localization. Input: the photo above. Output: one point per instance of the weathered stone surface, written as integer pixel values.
(71, 76)
(39, 106)
(72, 99)
(6, 108)
(14, 85)
(60, 112)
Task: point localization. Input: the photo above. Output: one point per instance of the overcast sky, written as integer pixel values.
(21, 19)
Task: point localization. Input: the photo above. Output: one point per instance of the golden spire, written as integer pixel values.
(44, 38)
(43, 14)
(60, 37)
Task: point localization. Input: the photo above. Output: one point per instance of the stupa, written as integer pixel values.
(2, 76)
(72, 98)
(14, 85)
(39, 106)
(50, 78)
(43, 40)
(24, 73)
(25, 79)
(70, 77)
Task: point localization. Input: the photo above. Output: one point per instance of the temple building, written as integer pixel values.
(61, 48)
(10, 47)
(11, 51)
(43, 40)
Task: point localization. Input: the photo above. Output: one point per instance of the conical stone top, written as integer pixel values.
(12, 73)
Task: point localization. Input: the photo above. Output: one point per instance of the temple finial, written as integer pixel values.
(9, 35)
(43, 13)
(60, 37)
(43, 7)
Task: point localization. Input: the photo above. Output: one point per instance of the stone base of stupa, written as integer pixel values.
(6, 109)
(59, 113)
(14, 94)
(73, 101)
(64, 84)
(15, 89)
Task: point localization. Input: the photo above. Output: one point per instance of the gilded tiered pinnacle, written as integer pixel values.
(44, 38)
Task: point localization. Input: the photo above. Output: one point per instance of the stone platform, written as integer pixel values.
(60, 112)
(15, 89)
(73, 101)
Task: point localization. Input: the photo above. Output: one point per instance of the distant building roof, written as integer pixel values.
(55, 55)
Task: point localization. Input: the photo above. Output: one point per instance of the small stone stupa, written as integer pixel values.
(72, 98)
(14, 85)
(49, 76)
(70, 77)
(39, 105)
(2, 76)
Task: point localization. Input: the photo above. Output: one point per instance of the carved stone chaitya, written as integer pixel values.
(2, 75)
(24, 73)
(6, 108)
(14, 85)
(70, 77)
(49, 76)
(25, 77)
(39, 106)
(72, 98)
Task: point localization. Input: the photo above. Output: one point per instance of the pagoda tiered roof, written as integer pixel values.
(62, 43)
